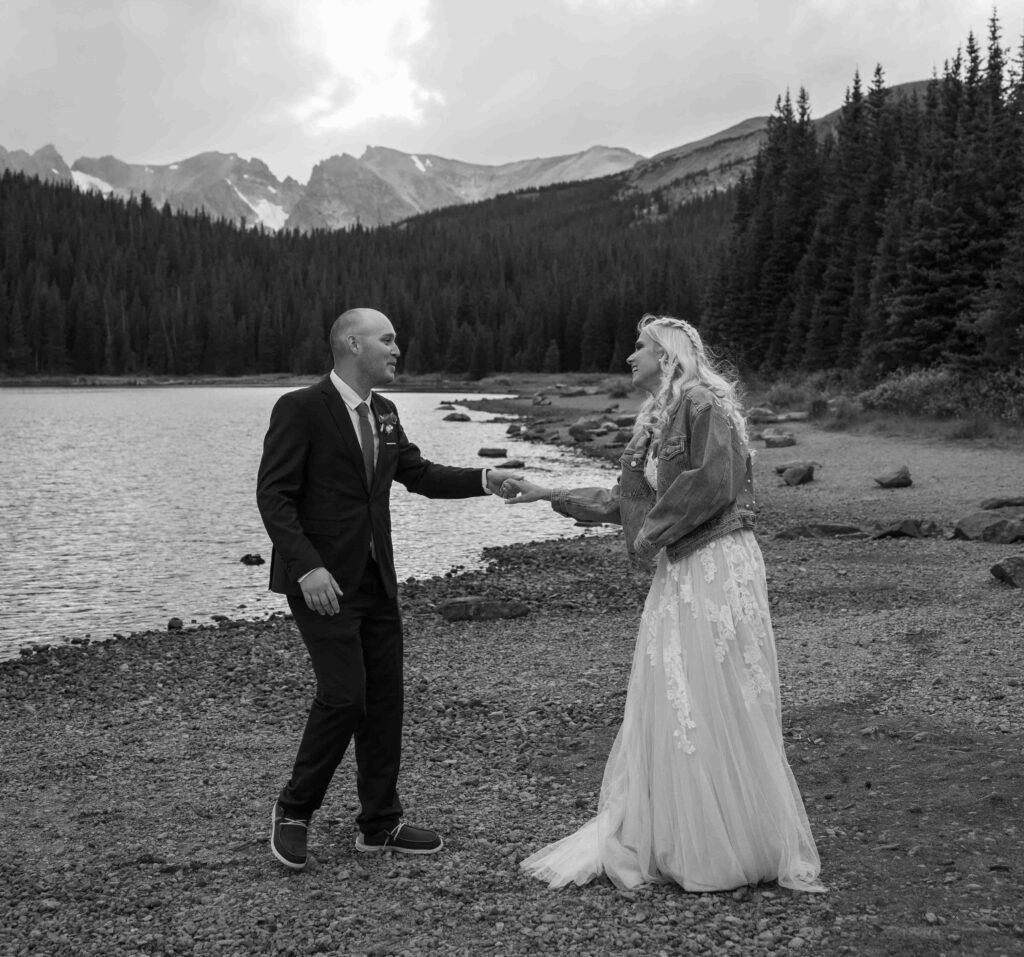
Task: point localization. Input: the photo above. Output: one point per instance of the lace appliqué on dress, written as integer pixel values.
(742, 607)
(663, 621)
(738, 622)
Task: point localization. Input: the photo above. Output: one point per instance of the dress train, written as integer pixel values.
(697, 789)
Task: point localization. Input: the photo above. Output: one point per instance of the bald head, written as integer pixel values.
(364, 349)
(354, 322)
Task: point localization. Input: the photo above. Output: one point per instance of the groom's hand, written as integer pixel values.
(496, 477)
(321, 592)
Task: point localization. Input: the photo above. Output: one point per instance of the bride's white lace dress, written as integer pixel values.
(697, 789)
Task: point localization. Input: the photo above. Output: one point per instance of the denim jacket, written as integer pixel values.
(705, 485)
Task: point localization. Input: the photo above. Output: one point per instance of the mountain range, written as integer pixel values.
(385, 186)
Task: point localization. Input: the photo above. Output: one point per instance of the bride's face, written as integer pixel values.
(645, 363)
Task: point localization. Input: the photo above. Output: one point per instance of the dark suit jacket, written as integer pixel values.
(312, 492)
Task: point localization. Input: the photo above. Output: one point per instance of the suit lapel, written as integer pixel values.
(339, 413)
(377, 410)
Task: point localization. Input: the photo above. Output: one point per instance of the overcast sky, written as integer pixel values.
(486, 81)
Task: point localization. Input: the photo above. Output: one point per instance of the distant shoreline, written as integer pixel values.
(504, 383)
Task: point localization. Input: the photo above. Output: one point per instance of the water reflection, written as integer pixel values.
(120, 508)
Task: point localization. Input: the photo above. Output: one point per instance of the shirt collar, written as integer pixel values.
(349, 395)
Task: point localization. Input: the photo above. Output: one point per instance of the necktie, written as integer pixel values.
(366, 439)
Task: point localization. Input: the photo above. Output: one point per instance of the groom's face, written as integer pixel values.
(379, 352)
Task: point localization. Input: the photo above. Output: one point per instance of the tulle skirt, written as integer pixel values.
(697, 789)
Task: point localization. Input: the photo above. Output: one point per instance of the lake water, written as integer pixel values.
(122, 508)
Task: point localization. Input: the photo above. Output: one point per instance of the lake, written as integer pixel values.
(121, 508)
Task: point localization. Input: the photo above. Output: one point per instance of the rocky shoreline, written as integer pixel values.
(139, 772)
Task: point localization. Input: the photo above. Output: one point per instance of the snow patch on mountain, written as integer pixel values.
(271, 215)
(418, 164)
(87, 183)
(267, 213)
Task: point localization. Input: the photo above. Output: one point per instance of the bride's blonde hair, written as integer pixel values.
(685, 362)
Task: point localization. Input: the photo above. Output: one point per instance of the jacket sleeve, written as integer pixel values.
(285, 449)
(588, 504)
(424, 477)
(714, 479)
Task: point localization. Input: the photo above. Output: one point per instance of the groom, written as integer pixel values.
(329, 458)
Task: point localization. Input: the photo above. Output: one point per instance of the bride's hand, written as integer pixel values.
(517, 491)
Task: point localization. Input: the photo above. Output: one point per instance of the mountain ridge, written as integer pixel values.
(386, 185)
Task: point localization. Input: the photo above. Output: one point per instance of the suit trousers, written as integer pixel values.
(357, 658)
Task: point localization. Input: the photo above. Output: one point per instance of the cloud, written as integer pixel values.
(294, 81)
(362, 50)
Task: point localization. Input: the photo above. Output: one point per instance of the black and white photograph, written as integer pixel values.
(512, 480)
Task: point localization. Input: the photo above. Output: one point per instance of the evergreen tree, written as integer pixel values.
(552, 358)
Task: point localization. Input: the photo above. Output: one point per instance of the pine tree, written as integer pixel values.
(552, 358)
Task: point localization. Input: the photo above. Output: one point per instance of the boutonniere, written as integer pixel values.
(387, 423)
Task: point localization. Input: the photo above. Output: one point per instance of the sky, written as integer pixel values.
(294, 82)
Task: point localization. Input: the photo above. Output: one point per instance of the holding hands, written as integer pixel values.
(518, 491)
(496, 478)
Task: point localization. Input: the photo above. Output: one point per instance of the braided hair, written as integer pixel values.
(685, 362)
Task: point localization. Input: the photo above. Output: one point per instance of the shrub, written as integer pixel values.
(1002, 394)
(844, 413)
(971, 427)
(945, 393)
(817, 408)
(786, 395)
(932, 392)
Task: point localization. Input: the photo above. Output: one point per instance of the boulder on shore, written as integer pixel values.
(990, 503)
(799, 474)
(782, 467)
(1010, 570)
(493, 453)
(822, 530)
(908, 528)
(897, 478)
(473, 608)
(991, 527)
(456, 417)
(778, 440)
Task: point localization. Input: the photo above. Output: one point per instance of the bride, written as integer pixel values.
(697, 789)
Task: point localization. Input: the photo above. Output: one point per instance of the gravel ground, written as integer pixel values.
(139, 774)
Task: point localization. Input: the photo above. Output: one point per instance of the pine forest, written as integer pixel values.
(892, 241)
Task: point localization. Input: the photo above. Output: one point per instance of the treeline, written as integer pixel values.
(896, 243)
(548, 279)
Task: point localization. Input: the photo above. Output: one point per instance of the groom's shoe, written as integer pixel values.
(288, 838)
(403, 838)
